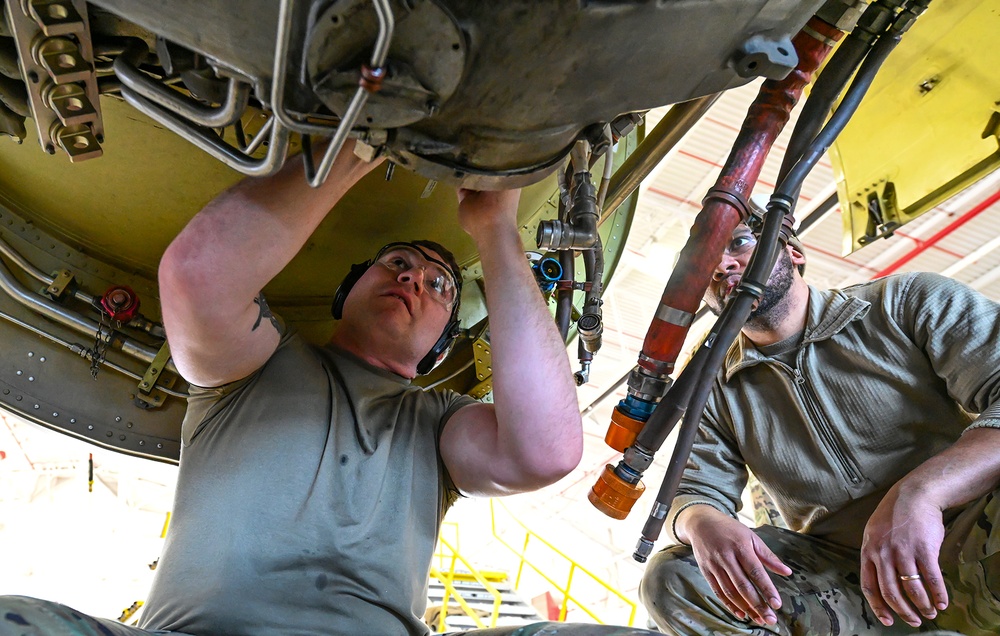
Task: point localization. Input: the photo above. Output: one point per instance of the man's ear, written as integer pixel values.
(797, 257)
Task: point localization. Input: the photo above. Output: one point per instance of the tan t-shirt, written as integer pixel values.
(309, 500)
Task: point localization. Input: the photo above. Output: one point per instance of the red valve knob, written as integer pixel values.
(121, 303)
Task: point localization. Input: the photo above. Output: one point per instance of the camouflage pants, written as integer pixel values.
(25, 616)
(823, 595)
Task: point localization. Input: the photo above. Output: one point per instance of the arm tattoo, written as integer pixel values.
(265, 312)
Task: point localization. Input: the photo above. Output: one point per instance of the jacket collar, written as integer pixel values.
(828, 313)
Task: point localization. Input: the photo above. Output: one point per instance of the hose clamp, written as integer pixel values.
(674, 316)
(732, 197)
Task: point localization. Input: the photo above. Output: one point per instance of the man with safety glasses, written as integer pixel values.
(358, 465)
(313, 481)
(855, 409)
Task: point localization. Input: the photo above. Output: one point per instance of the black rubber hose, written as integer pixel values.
(831, 81)
(715, 347)
(791, 183)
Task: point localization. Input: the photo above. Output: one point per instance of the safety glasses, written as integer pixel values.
(439, 281)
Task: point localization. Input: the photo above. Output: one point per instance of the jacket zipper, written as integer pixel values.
(824, 429)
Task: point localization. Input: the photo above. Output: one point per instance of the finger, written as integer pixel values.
(895, 597)
(934, 579)
(763, 582)
(765, 594)
(915, 590)
(870, 588)
(720, 593)
(750, 598)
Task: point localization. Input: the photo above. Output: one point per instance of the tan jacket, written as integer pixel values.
(885, 377)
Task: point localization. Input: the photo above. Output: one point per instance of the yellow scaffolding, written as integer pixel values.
(574, 568)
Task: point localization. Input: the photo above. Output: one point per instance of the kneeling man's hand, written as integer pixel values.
(734, 561)
(899, 559)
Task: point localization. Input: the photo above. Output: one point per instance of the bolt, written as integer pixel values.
(50, 149)
(19, 372)
(31, 354)
(42, 359)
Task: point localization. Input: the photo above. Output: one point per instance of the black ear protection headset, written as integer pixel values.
(451, 331)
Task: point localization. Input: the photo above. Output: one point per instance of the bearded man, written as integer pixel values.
(855, 410)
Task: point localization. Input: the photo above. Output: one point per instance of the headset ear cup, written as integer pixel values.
(442, 346)
(340, 296)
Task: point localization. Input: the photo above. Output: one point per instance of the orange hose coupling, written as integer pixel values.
(614, 496)
(622, 431)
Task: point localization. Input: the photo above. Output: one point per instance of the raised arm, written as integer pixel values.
(532, 435)
(218, 323)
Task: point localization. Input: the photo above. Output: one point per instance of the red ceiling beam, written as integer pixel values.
(923, 246)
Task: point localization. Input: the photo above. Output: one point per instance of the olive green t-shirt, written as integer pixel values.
(309, 500)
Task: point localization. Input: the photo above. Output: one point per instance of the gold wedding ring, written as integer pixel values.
(909, 577)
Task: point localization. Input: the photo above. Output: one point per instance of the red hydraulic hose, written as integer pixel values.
(725, 205)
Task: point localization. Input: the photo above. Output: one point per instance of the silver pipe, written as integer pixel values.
(280, 73)
(226, 114)
(82, 352)
(339, 137)
(263, 133)
(210, 143)
(386, 24)
(38, 274)
(59, 315)
(386, 27)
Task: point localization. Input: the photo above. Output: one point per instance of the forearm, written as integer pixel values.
(247, 234)
(534, 393)
(967, 470)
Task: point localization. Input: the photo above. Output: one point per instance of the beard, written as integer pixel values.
(771, 309)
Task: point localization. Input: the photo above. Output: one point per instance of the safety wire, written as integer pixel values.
(751, 288)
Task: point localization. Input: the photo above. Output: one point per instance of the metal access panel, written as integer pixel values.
(929, 126)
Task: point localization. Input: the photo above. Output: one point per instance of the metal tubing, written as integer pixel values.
(55, 313)
(38, 274)
(82, 351)
(237, 92)
(386, 25)
(286, 9)
(668, 132)
(212, 144)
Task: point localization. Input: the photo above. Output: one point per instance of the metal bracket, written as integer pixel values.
(148, 397)
(484, 369)
(56, 60)
(883, 215)
(61, 279)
